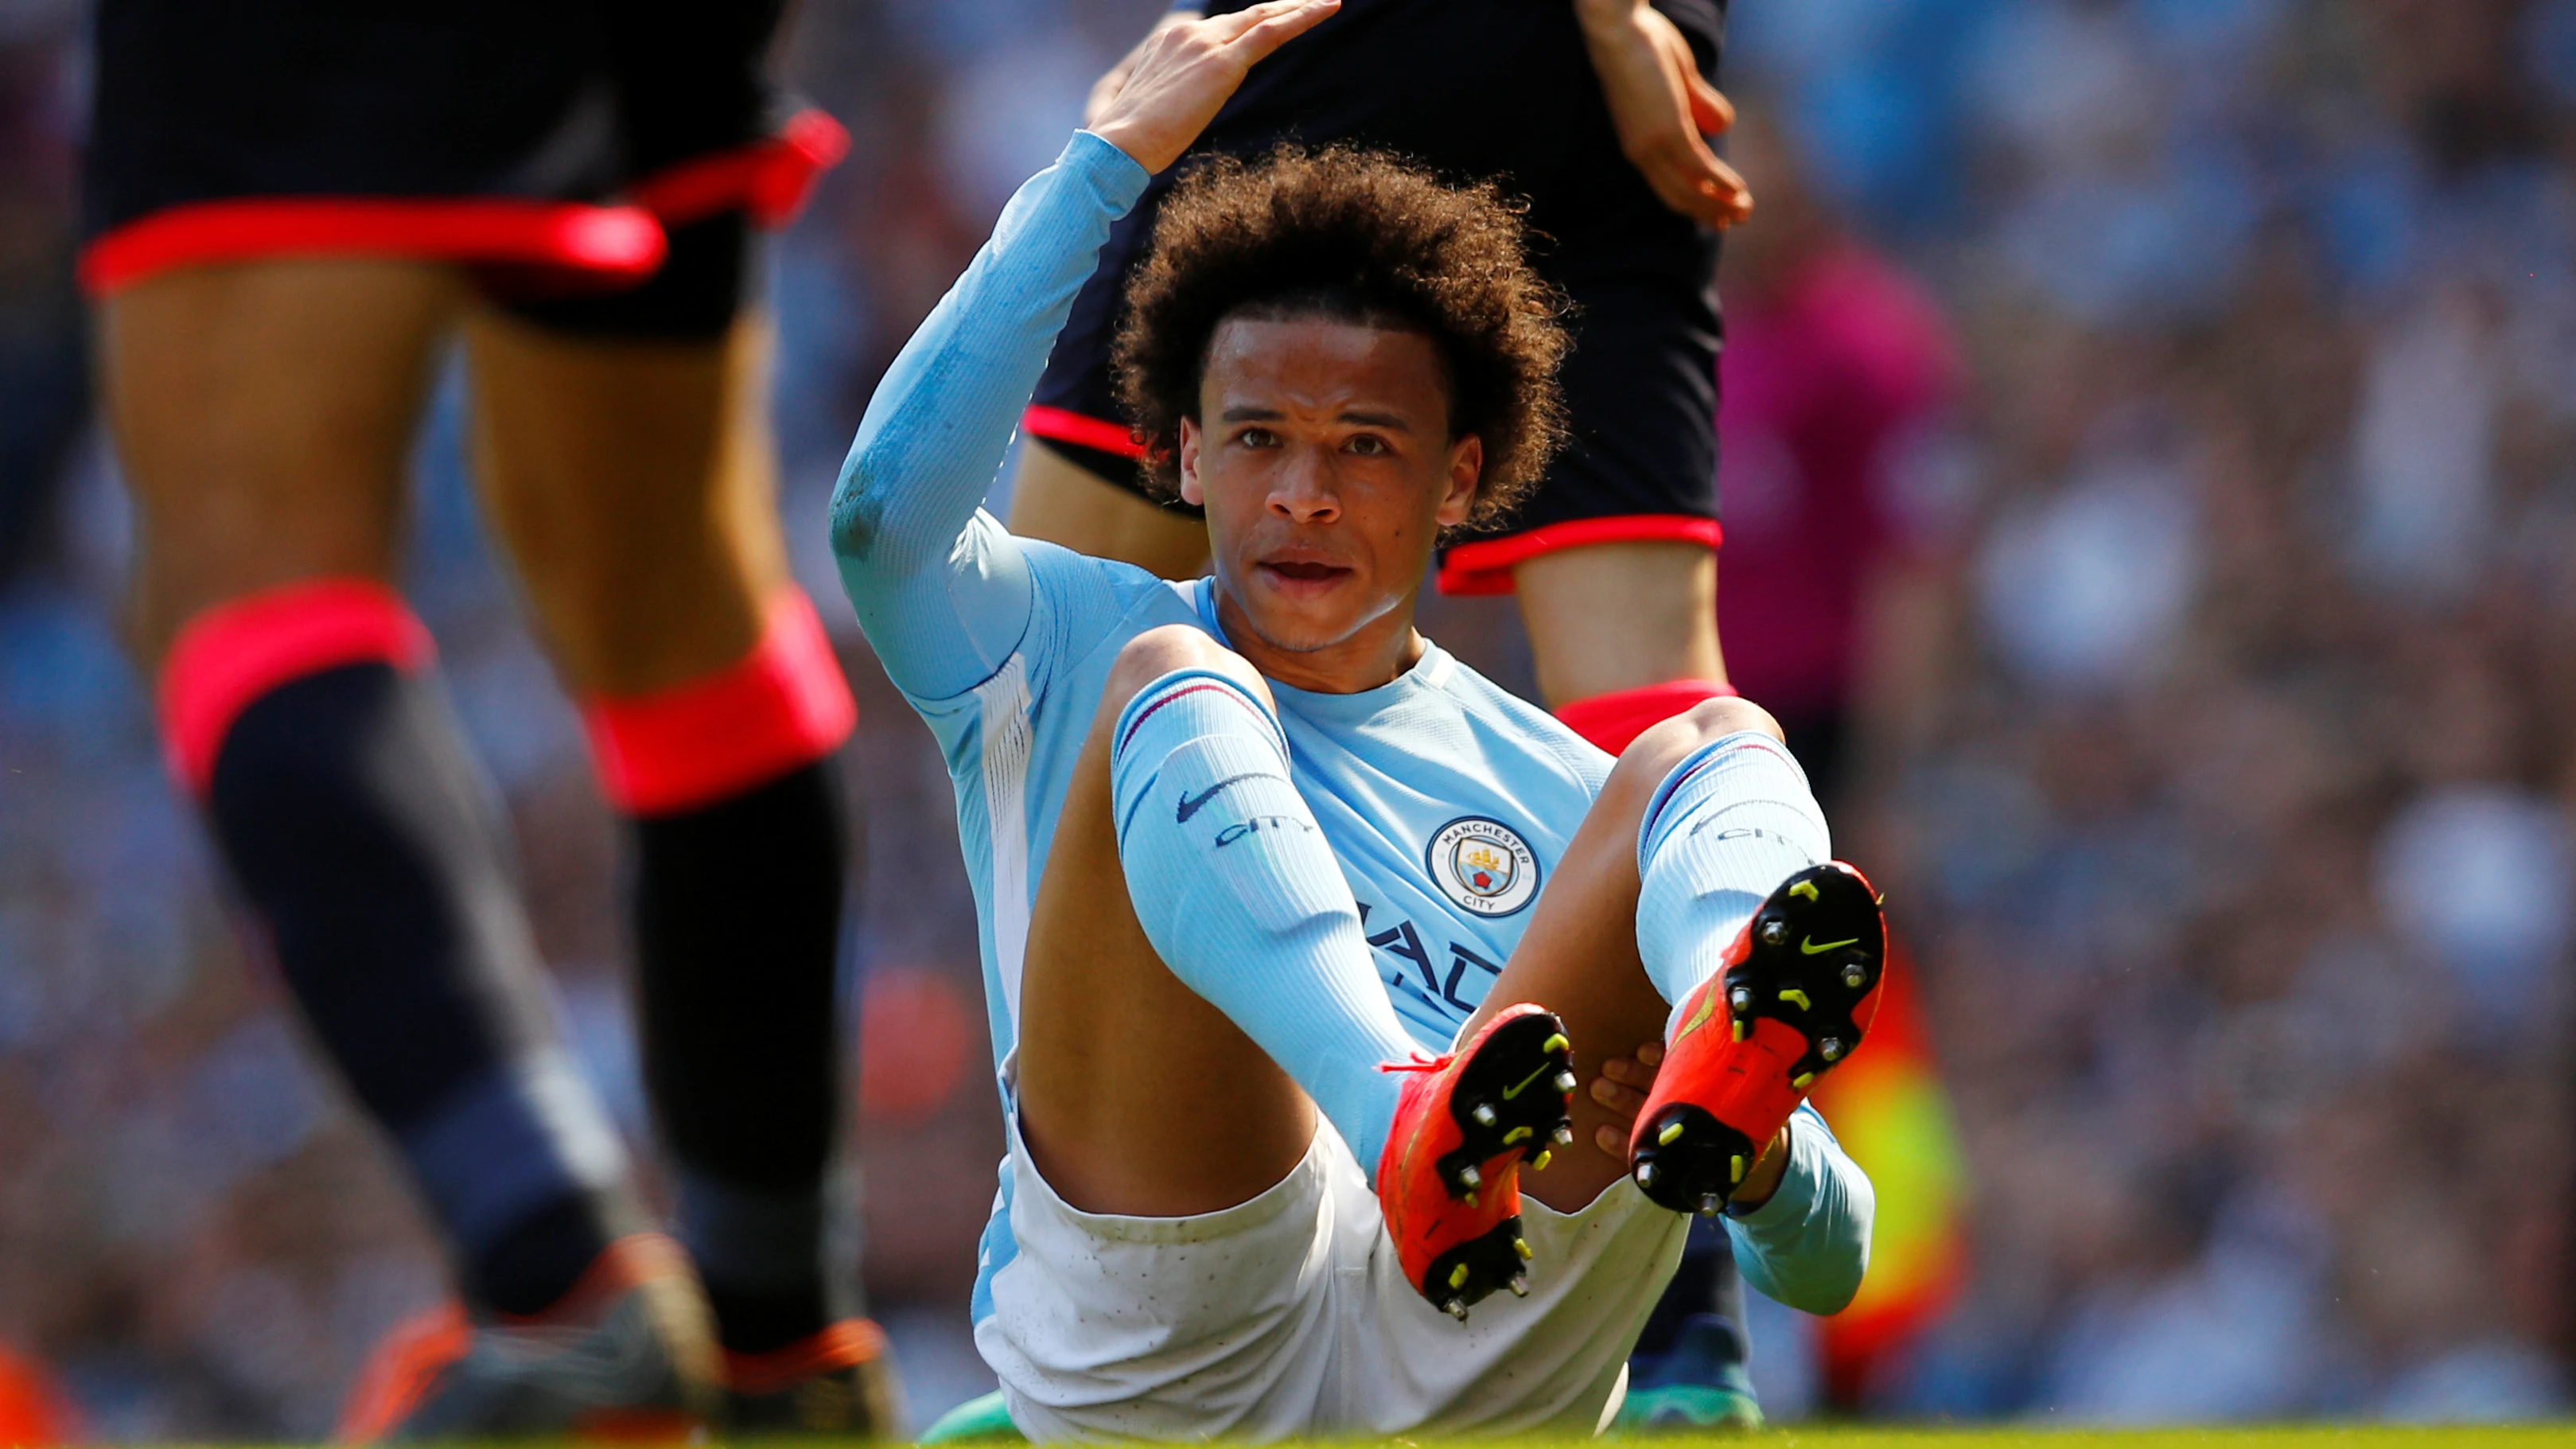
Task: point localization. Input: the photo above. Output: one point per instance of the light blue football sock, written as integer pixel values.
(1730, 823)
(1241, 897)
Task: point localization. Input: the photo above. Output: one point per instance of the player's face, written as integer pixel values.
(1323, 457)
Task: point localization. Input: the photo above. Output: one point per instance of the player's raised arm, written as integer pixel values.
(942, 596)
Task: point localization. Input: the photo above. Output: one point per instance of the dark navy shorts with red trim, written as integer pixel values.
(1475, 89)
(597, 164)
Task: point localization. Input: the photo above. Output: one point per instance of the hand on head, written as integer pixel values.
(1185, 71)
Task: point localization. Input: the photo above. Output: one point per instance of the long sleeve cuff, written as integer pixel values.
(1121, 178)
(1808, 1247)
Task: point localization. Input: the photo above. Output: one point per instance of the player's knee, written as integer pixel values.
(1167, 650)
(1662, 746)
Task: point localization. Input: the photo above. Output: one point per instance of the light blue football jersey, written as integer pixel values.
(1446, 800)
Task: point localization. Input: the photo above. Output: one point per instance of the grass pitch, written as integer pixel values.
(2042, 1436)
(2033, 1436)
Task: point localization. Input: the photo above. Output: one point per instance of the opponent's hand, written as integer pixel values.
(1664, 109)
(1184, 72)
(1622, 1088)
(1105, 89)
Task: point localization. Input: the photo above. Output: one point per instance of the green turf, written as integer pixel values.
(2044, 1436)
(982, 1422)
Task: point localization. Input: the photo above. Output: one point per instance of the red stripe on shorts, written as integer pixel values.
(771, 178)
(1082, 432)
(608, 244)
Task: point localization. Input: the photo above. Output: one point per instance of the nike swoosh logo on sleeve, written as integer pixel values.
(1190, 803)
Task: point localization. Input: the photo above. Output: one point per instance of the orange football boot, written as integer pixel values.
(1798, 989)
(1449, 1179)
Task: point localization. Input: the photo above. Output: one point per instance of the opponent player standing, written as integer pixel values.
(1187, 807)
(292, 206)
(1595, 111)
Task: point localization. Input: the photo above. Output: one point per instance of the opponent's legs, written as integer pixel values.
(1611, 617)
(1625, 635)
(633, 480)
(263, 414)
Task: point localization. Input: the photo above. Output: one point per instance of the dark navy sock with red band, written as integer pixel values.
(739, 862)
(364, 840)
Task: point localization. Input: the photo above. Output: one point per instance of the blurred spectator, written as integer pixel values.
(1839, 374)
(43, 382)
(2215, 764)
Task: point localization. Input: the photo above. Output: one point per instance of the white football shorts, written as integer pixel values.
(1289, 1315)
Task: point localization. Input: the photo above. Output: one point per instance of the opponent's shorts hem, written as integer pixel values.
(1060, 425)
(608, 245)
(771, 179)
(602, 246)
(1485, 565)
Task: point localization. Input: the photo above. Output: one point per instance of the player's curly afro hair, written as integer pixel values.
(1364, 237)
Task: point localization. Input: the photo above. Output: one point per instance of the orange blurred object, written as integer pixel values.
(403, 1367)
(33, 1408)
(916, 1032)
(1893, 1116)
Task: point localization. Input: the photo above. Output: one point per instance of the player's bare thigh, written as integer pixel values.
(1058, 500)
(263, 414)
(1578, 956)
(634, 483)
(1135, 1095)
(1613, 616)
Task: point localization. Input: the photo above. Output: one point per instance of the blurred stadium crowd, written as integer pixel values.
(2215, 723)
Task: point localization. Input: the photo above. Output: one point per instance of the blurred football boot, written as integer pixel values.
(838, 1382)
(629, 1353)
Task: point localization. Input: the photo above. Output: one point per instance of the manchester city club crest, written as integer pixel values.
(1483, 865)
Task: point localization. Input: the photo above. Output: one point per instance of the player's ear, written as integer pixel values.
(1466, 468)
(1191, 492)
